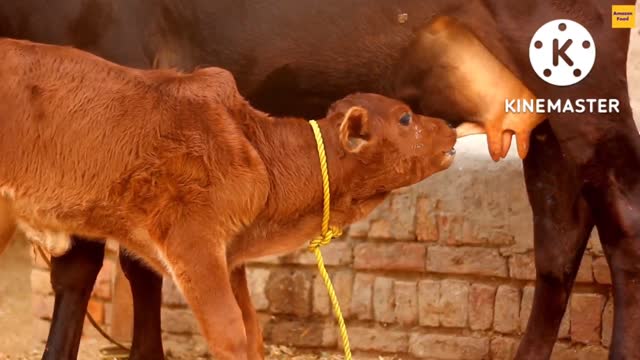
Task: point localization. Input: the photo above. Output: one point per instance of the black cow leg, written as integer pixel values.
(562, 225)
(616, 206)
(72, 277)
(146, 287)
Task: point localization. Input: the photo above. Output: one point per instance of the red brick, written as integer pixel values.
(429, 303)
(426, 222)
(96, 309)
(390, 256)
(525, 306)
(481, 300)
(501, 238)
(586, 310)
(601, 271)
(171, 295)
(104, 281)
(342, 284)
(562, 351)
(594, 246)
(298, 333)
(362, 296)
(402, 211)
(593, 353)
(289, 292)
(383, 300)
(450, 228)
(585, 271)
(454, 303)
(41, 282)
(565, 325)
(42, 306)
(108, 313)
(448, 347)
(406, 302)
(503, 348)
(37, 260)
(522, 266)
(380, 229)
(378, 339)
(359, 229)
(607, 323)
(507, 310)
(466, 260)
(179, 321)
(257, 281)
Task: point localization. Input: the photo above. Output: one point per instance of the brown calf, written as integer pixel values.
(183, 172)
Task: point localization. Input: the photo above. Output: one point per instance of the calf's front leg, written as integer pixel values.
(197, 262)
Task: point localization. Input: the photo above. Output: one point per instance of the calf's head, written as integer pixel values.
(391, 146)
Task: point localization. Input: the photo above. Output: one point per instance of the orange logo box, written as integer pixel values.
(623, 16)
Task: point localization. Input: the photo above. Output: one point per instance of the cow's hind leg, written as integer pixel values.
(616, 207)
(252, 326)
(72, 277)
(198, 264)
(562, 224)
(146, 288)
(623, 254)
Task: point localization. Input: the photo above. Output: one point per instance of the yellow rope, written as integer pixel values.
(325, 238)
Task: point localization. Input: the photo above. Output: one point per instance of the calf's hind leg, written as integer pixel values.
(562, 225)
(197, 262)
(146, 288)
(72, 277)
(252, 326)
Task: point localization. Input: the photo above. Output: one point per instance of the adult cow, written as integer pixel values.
(295, 57)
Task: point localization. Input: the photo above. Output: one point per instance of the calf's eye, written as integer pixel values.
(405, 119)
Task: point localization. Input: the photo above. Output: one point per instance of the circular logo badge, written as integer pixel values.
(562, 52)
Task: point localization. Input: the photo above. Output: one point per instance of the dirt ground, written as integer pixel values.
(19, 330)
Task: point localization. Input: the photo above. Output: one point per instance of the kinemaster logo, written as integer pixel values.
(562, 52)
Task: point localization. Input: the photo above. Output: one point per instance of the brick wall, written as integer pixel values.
(442, 270)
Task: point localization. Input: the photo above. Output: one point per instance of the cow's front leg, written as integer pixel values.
(72, 277)
(562, 224)
(146, 288)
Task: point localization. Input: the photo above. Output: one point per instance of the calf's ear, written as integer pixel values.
(354, 129)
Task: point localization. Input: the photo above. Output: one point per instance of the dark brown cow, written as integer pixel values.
(295, 57)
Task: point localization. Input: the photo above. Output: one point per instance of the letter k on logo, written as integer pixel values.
(562, 52)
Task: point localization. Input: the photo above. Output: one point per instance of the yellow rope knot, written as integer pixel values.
(325, 239)
(327, 234)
